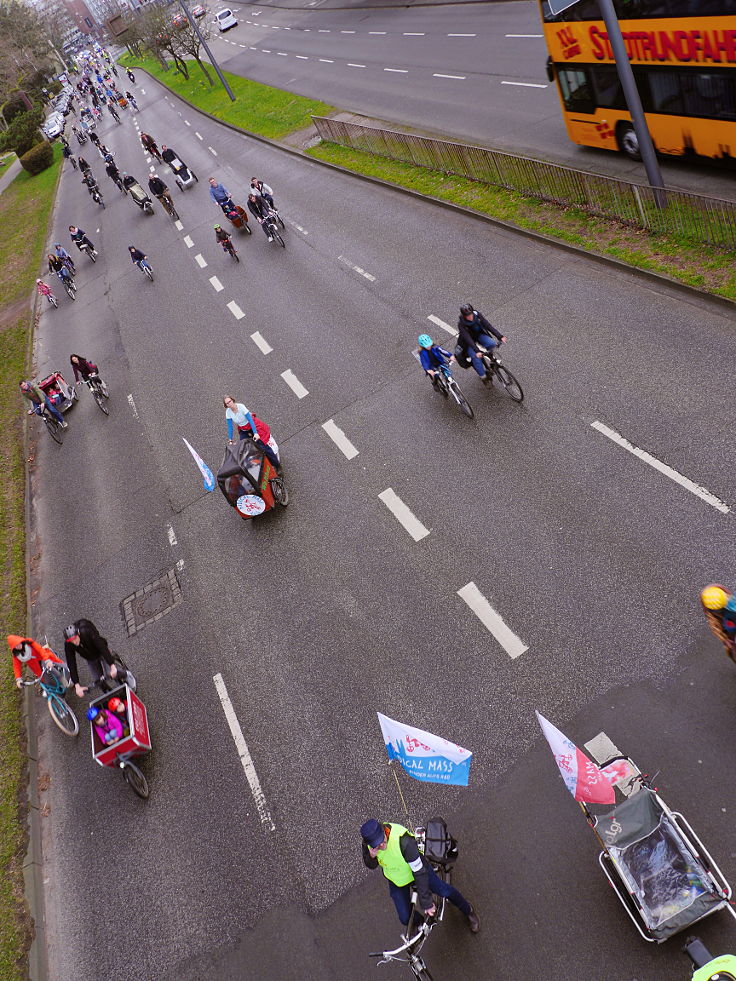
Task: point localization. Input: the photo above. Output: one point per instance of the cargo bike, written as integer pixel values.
(120, 734)
(663, 875)
(249, 481)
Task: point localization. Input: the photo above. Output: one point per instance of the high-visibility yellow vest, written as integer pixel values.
(394, 865)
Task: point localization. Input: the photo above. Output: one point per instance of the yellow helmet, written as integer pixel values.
(714, 597)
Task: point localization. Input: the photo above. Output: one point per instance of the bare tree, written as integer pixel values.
(24, 50)
(190, 43)
(160, 36)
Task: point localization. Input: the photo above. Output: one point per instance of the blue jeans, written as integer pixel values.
(51, 408)
(487, 342)
(401, 896)
(141, 263)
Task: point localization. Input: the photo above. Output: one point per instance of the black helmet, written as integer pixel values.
(467, 309)
(70, 631)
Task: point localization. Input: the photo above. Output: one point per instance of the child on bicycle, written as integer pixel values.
(30, 653)
(223, 238)
(43, 289)
(432, 356)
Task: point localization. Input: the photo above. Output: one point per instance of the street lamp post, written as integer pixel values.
(195, 28)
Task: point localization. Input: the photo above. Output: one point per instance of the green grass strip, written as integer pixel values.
(705, 267)
(269, 112)
(25, 207)
(5, 162)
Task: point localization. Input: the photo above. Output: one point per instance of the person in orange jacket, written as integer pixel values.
(27, 651)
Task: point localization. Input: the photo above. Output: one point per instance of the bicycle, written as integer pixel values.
(52, 299)
(143, 264)
(54, 683)
(496, 369)
(419, 921)
(270, 224)
(56, 430)
(99, 392)
(168, 205)
(69, 285)
(228, 246)
(88, 250)
(445, 383)
(274, 213)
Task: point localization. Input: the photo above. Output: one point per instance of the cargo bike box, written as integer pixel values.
(135, 740)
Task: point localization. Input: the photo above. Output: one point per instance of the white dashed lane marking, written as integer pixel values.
(663, 468)
(200, 260)
(178, 225)
(294, 384)
(524, 35)
(188, 242)
(198, 135)
(491, 620)
(339, 438)
(187, 122)
(131, 403)
(172, 536)
(398, 71)
(353, 65)
(403, 515)
(526, 85)
(213, 152)
(235, 310)
(261, 343)
(439, 75)
(442, 324)
(357, 269)
(216, 284)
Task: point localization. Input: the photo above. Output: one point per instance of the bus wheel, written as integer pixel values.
(628, 141)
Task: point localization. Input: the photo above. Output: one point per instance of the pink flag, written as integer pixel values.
(582, 777)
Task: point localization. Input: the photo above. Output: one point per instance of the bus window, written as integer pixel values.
(608, 87)
(710, 96)
(576, 93)
(665, 95)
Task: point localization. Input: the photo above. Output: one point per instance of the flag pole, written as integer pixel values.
(398, 787)
(591, 821)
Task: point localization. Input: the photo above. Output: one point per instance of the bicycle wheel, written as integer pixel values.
(247, 229)
(149, 272)
(62, 715)
(419, 968)
(69, 291)
(100, 400)
(53, 301)
(135, 779)
(279, 491)
(278, 237)
(57, 433)
(93, 255)
(462, 402)
(513, 388)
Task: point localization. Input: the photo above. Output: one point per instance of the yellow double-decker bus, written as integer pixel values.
(683, 54)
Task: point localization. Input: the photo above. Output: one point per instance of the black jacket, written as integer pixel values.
(468, 331)
(92, 647)
(410, 852)
(156, 186)
(258, 208)
(168, 155)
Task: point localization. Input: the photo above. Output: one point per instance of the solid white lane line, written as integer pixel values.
(352, 65)
(526, 85)
(294, 384)
(491, 620)
(200, 260)
(663, 468)
(235, 310)
(439, 75)
(178, 225)
(525, 35)
(244, 754)
(218, 287)
(442, 324)
(403, 515)
(213, 152)
(188, 242)
(303, 57)
(261, 343)
(198, 135)
(399, 71)
(172, 535)
(327, 61)
(339, 438)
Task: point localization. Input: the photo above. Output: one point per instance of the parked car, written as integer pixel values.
(225, 19)
(179, 21)
(54, 125)
(198, 11)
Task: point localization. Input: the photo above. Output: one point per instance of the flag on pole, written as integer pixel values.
(209, 477)
(582, 777)
(425, 757)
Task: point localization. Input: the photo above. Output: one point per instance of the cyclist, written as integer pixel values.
(161, 191)
(79, 237)
(260, 187)
(65, 257)
(220, 195)
(94, 138)
(132, 101)
(111, 109)
(131, 76)
(44, 289)
(27, 651)
(169, 156)
(394, 848)
(223, 238)
(57, 267)
(474, 329)
(68, 155)
(260, 211)
(138, 257)
(250, 427)
(38, 399)
(82, 637)
(83, 165)
(86, 370)
(720, 610)
(113, 173)
(150, 145)
(432, 356)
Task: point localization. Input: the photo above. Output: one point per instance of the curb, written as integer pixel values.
(645, 274)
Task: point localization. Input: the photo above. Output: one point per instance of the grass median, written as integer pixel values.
(25, 207)
(702, 266)
(261, 109)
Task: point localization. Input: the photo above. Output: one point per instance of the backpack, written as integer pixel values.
(440, 848)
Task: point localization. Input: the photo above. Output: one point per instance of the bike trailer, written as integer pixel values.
(136, 739)
(56, 390)
(138, 194)
(182, 174)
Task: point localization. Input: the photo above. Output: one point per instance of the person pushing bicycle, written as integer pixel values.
(394, 848)
(29, 653)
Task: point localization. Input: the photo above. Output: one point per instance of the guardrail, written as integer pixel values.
(695, 217)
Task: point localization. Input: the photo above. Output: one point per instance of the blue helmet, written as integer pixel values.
(425, 340)
(92, 713)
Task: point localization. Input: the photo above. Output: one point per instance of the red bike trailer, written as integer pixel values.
(136, 739)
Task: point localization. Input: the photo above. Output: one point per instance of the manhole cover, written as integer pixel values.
(151, 603)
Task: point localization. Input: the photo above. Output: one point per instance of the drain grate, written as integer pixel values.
(149, 604)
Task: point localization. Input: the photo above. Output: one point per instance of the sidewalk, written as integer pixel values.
(10, 174)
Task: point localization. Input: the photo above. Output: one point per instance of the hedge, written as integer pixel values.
(38, 158)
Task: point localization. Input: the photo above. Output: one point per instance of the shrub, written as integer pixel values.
(38, 158)
(15, 106)
(22, 134)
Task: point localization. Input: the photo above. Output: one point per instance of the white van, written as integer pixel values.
(225, 19)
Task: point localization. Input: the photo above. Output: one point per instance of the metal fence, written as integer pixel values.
(694, 217)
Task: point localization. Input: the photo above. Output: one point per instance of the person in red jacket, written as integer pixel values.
(29, 652)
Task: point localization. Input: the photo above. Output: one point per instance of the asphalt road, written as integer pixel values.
(474, 72)
(319, 615)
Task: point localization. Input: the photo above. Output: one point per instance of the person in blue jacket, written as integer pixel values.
(432, 356)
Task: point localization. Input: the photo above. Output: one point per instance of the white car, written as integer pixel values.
(225, 19)
(54, 125)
